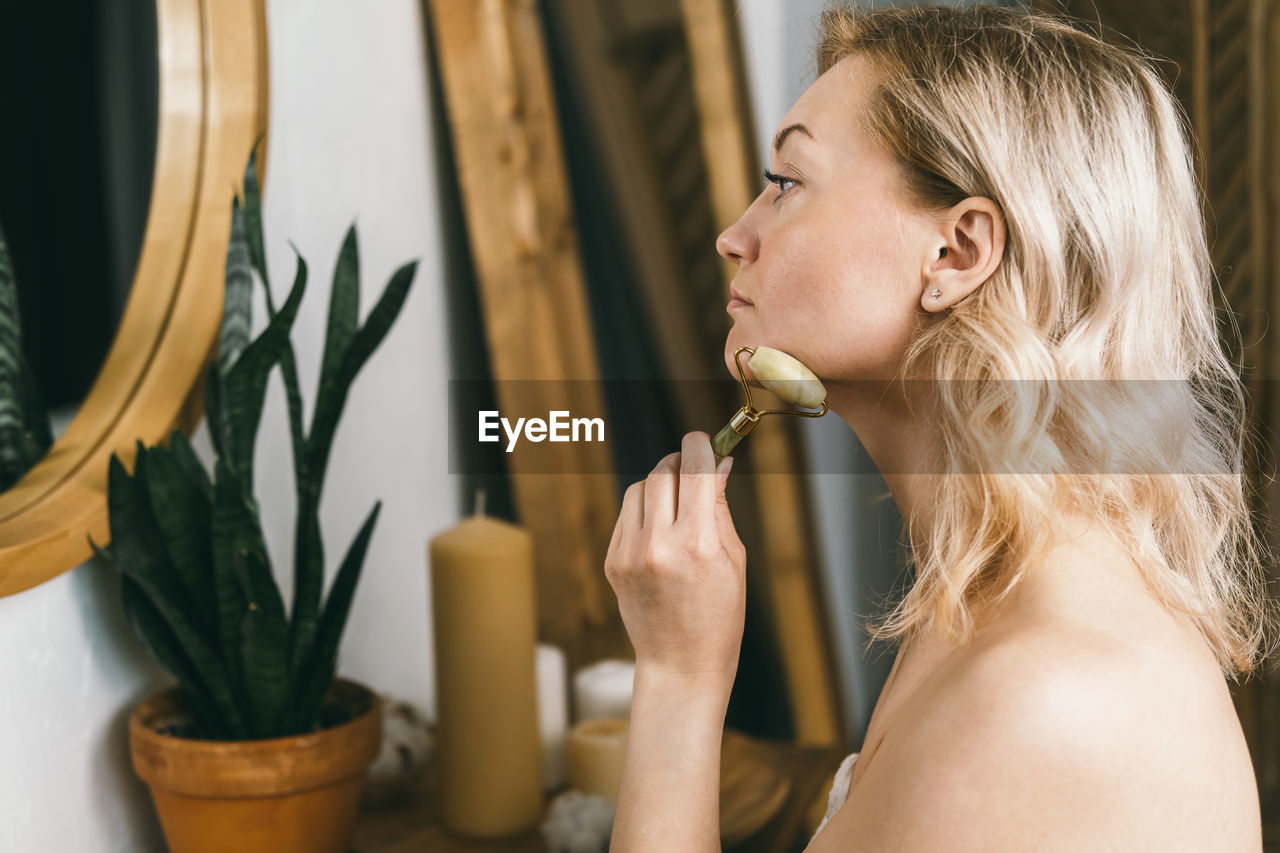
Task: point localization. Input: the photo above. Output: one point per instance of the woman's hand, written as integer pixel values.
(678, 567)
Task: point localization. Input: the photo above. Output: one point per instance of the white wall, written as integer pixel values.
(350, 140)
(69, 673)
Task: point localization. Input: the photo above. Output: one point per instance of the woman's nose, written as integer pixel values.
(737, 244)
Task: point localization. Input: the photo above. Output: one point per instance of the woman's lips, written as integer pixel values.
(738, 300)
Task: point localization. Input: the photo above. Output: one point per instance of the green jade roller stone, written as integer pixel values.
(785, 376)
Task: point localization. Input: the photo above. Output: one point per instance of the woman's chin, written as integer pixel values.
(731, 362)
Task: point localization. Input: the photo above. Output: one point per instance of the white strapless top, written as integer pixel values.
(839, 791)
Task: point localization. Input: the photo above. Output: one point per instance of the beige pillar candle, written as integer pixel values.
(484, 617)
(596, 750)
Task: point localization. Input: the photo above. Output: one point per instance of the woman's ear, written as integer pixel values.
(969, 246)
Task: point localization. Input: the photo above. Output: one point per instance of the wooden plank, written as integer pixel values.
(1265, 20)
(724, 110)
(615, 126)
(1199, 106)
(801, 622)
(1269, 236)
(507, 148)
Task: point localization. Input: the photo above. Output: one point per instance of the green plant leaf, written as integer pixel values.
(293, 395)
(333, 397)
(136, 539)
(137, 550)
(237, 297)
(24, 423)
(246, 384)
(344, 317)
(308, 566)
(330, 400)
(186, 457)
(182, 511)
(293, 391)
(253, 215)
(158, 638)
(12, 458)
(308, 547)
(323, 660)
(265, 643)
(151, 629)
(235, 529)
(308, 583)
(215, 410)
(264, 673)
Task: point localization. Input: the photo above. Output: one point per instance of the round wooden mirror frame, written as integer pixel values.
(213, 105)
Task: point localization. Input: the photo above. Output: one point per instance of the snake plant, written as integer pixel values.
(196, 580)
(25, 432)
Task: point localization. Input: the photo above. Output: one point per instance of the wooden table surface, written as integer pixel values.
(412, 826)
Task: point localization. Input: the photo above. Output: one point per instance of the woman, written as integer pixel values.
(986, 195)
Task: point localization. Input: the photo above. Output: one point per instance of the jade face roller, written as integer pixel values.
(779, 373)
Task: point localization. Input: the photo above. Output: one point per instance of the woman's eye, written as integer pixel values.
(782, 183)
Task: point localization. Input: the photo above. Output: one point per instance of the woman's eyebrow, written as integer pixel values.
(785, 132)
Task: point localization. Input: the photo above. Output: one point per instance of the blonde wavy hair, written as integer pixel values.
(1106, 275)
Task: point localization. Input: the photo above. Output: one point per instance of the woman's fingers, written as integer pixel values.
(677, 566)
(660, 493)
(630, 518)
(697, 494)
(683, 485)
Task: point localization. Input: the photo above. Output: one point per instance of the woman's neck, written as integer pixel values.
(899, 438)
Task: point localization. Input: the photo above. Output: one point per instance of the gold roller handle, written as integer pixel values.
(745, 419)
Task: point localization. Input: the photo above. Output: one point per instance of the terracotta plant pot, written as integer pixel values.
(282, 795)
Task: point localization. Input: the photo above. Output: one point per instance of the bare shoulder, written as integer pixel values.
(1054, 740)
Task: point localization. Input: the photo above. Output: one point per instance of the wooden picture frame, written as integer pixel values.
(213, 106)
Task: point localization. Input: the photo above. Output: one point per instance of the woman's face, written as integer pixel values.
(832, 260)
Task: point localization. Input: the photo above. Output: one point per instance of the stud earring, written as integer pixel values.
(937, 294)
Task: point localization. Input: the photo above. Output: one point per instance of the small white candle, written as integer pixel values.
(603, 690)
(553, 713)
